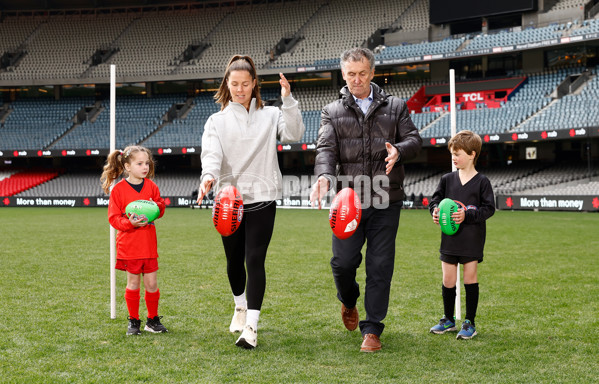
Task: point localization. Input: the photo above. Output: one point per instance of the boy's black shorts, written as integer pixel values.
(450, 259)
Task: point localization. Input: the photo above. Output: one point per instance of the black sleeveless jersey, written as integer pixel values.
(477, 196)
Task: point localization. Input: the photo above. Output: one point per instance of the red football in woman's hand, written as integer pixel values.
(227, 211)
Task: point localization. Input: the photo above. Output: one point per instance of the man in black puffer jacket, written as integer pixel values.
(364, 138)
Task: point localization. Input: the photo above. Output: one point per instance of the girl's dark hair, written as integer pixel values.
(115, 164)
(238, 63)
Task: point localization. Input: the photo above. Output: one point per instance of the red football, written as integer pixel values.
(345, 213)
(227, 210)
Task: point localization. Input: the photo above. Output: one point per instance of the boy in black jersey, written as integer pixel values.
(466, 246)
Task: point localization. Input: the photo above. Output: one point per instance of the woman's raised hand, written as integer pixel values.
(285, 87)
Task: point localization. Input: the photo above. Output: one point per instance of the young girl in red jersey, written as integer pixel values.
(136, 239)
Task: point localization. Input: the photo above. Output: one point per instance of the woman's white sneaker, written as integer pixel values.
(238, 320)
(248, 338)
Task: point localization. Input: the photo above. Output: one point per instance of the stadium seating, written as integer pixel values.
(572, 111)
(565, 4)
(588, 26)
(186, 131)
(534, 178)
(35, 124)
(505, 38)
(70, 184)
(543, 179)
(15, 31)
(6, 174)
(85, 184)
(529, 99)
(24, 180)
(425, 48)
(405, 89)
(415, 17)
(177, 183)
(136, 118)
(235, 35)
(581, 187)
(141, 119)
(312, 123)
(62, 47)
(151, 44)
(327, 34)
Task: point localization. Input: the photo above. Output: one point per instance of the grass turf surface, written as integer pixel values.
(537, 318)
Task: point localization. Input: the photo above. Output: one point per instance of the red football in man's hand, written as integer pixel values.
(227, 210)
(345, 213)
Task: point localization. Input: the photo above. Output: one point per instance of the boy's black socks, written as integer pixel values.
(448, 301)
(471, 301)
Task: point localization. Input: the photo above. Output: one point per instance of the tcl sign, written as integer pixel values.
(476, 96)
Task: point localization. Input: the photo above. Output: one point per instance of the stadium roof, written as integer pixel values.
(54, 5)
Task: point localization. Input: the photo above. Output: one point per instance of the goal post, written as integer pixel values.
(452, 114)
(112, 230)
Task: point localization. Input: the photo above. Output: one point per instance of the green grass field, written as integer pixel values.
(537, 321)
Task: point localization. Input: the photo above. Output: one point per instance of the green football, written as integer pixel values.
(143, 208)
(446, 208)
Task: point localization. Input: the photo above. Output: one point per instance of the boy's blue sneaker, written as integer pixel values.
(445, 325)
(467, 332)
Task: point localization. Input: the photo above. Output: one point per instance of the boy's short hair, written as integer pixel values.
(467, 141)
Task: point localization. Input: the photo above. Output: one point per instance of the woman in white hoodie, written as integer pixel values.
(239, 147)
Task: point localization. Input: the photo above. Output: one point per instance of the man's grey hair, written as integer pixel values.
(357, 54)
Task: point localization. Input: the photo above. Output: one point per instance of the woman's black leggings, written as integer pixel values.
(250, 243)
